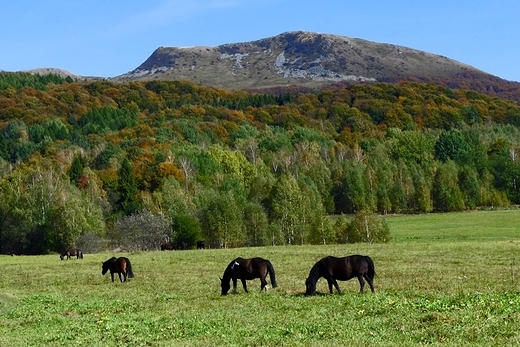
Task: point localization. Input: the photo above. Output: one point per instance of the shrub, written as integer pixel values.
(364, 227)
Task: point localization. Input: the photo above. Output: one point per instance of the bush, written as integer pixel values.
(143, 231)
(186, 228)
(90, 243)
(364, 227)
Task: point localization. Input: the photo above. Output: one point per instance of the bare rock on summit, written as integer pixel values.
(296, 58)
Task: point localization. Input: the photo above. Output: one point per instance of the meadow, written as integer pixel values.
(444, 279)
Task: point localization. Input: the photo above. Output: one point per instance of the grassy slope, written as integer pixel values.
(447, 279)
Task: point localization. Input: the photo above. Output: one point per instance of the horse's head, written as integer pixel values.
(104, 268)
(225, 286)
(61, 257)
(310, 287)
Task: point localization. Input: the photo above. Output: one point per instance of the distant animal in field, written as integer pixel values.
(341, 269)
(184, 245)
(247, 269)
(168, 246)
(74, 252)
(120, 266)
(201, 244)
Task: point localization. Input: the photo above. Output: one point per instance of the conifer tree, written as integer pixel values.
(76, 170)
(127, 189)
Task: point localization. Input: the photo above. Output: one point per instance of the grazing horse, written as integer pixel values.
(167, 246)
(120, 265)
(201, 244)
(247, 269)
(342, 269)
(74, 252)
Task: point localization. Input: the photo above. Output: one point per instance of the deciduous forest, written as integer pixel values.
(99, 164)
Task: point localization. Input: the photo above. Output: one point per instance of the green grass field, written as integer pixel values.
(445, 279)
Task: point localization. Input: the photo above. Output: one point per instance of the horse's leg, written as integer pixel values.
(234, 285)
(263, 283)
(112, 274)
(120, 279)
(244, 284)
(335, 285)
(329, 281)
(370, 282)
(361, 283)
(124, 275)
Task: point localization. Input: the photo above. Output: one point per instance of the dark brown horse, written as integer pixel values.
(168, 246)
(120, 266)
(74, 252)
(341, 269)
(247, 269)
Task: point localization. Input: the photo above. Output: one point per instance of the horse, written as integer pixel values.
(74, 252)
(342, 269)
(247, 269)
(201, 244)
(120, 265)
(167, 246)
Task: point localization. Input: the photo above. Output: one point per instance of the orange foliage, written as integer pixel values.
(217, 129)
(169, 169)
(112, 93)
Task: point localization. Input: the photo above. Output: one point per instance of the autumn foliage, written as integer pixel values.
(242, 168)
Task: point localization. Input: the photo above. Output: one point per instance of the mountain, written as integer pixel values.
(311, 60)
(54, 71)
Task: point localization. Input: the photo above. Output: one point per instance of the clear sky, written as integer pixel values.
(107, 38)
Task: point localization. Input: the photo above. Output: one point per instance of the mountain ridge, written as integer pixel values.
(299, 57)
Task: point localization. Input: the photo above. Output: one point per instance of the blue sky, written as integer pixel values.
(110, 37)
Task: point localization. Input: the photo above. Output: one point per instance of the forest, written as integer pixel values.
(99, 164)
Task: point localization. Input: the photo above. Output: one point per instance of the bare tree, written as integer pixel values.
(143, 231)
(187, 168)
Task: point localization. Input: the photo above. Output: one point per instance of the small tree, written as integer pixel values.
(364, 227)
(186, 228)
(142, 231)
(76, 170)
(446, 194)
(321, 230)
(256, 225)
(127, 189)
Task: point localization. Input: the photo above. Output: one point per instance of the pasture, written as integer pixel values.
(444, 279)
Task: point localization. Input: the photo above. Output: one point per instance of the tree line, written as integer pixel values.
(134, 165)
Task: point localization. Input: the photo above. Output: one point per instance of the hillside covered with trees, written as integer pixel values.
(137, 164)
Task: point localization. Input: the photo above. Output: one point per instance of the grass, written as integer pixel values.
(445, 279)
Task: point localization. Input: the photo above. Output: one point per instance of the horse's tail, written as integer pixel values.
(129, 271)
(270, 269)
(81, 254)
(371, 267)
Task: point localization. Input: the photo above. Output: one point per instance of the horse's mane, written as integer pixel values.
(315, 272)
(229, 269)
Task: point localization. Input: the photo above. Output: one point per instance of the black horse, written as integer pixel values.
(74, 252)
(120, 265)
(201, 244)
(168, 246)
(247, 269)
(342, 269)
